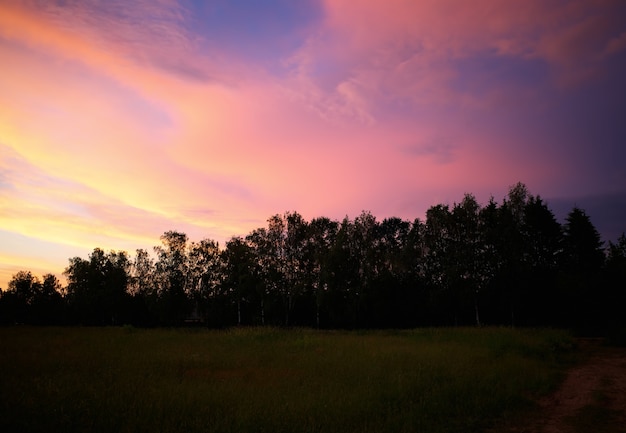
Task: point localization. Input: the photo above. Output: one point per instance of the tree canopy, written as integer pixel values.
(508, 263)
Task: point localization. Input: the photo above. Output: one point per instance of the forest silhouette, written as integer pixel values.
(508, 263)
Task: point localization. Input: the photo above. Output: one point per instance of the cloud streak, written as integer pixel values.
(120, 121)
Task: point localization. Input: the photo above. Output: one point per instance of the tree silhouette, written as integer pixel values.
(142, 287)
(543, 244)
(615, 281)
(240, 276)
(22, 293)
(322, 237)
(296, 262)
(264, 268)
(205, 271)
(583, 259)
(441, 272)
(97, 288)
(510, 263)
(172, 277)
(390, 299)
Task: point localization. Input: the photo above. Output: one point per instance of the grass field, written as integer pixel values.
(271, 380)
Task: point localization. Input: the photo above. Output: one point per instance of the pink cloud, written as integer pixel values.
(106, 35)
(127, 127)
(409, 50)
(616, 45)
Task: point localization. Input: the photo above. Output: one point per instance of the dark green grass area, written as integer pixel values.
(271, 380)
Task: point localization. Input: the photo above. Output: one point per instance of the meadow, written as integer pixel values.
(272, 380)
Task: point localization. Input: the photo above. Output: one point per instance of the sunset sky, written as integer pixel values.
(122, 119)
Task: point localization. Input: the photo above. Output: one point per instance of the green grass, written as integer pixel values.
(271, 380)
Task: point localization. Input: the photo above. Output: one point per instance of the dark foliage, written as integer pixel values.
(500, 264)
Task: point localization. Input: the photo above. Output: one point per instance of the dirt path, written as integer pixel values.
(592, 397)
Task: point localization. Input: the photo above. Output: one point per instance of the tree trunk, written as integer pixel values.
(317, 315)
(476, 309)
(512, 317)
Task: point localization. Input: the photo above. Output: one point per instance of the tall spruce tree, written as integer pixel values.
(583, 259)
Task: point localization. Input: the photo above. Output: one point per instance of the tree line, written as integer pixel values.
(508, 263)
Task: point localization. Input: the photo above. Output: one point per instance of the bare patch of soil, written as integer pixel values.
(592, 398)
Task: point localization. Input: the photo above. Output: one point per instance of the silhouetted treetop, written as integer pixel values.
(466, 263)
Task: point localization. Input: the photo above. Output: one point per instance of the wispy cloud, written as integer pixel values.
(146, 33)
(442, 151)
(120, 120)
(403, 50)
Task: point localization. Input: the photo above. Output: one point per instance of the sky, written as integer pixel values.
(122, 120)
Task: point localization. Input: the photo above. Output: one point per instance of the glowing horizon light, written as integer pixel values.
(121, 121)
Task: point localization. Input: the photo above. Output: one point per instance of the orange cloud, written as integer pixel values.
(118, 127)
